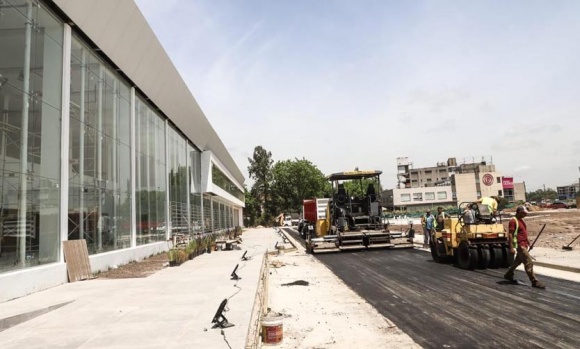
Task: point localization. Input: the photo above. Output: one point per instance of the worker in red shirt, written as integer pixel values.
(518, 238)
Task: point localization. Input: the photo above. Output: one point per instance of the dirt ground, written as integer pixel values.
(139, 269)
(562, 226)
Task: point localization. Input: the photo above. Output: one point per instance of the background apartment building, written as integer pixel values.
(448, 184)
(568, 192)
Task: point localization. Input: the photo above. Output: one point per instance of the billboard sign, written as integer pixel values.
(508, 182)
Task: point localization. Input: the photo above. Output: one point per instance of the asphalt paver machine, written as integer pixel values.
(354, 220)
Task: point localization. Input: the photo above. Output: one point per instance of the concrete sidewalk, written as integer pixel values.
(172, 308)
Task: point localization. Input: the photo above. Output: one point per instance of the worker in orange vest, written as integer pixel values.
(518, 238)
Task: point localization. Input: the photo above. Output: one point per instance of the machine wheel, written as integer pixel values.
(496, 257)
(438, 252)
(466, 257)
(483, 256)
(434, 252)
(507, 257)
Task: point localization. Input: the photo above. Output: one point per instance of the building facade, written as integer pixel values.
(568, 192)
(101, 140)
(449, 184)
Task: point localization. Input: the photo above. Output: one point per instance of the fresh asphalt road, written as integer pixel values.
(442, 306)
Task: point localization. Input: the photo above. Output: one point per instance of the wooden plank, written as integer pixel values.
(76, 256)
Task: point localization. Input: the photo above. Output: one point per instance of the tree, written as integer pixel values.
(294, 181)
(252, 210)
(260, 170)
(541, 194)
(503, 203)
(359, 188)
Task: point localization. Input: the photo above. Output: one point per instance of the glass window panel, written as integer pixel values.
(216, 216)
(29, 236)
(124, 129)
(151, 185)
(90, 154)
(109, 105)
(207, 214)
(222, 181)
(100, 209)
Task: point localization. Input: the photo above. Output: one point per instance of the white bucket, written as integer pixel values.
(272, 329)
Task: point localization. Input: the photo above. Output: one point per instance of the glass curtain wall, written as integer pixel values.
(151, 184)
(216, 216)
(224, 218)
(196, 225)
(222, 181)
(178, 182)
(207, 214)
(31, 45)
(99, 179)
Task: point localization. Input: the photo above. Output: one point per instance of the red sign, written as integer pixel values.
(508, 182)
(487, 179)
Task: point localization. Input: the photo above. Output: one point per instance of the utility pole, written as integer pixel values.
(544, 194)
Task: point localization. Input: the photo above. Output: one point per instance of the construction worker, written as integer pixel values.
(441, 216)
(428, 222)
(491, 202)
(468, 215)
(518, 237)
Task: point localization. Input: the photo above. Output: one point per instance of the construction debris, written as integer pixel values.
(297, 283)
(277, 264)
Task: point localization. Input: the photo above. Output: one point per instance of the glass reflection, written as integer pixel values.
(30, 104)
(99, 179)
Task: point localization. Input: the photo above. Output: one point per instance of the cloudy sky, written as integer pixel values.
(349, 84)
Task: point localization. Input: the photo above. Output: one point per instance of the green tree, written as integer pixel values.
(359, 188)
(260, 170)
(252, 210)
(503, 203)
(294, 181)
(541, 194)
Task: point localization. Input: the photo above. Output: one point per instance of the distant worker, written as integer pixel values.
(468, 215)
(518, 237)
(428, 222)
(411, 232)
(441, 216)
(491, 202)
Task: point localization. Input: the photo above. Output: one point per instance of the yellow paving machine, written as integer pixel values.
(473, 239)
(353, 221)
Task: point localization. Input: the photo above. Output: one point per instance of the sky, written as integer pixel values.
(348, 84)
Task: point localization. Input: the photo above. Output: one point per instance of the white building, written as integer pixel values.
(448, 184)
(101, 140)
